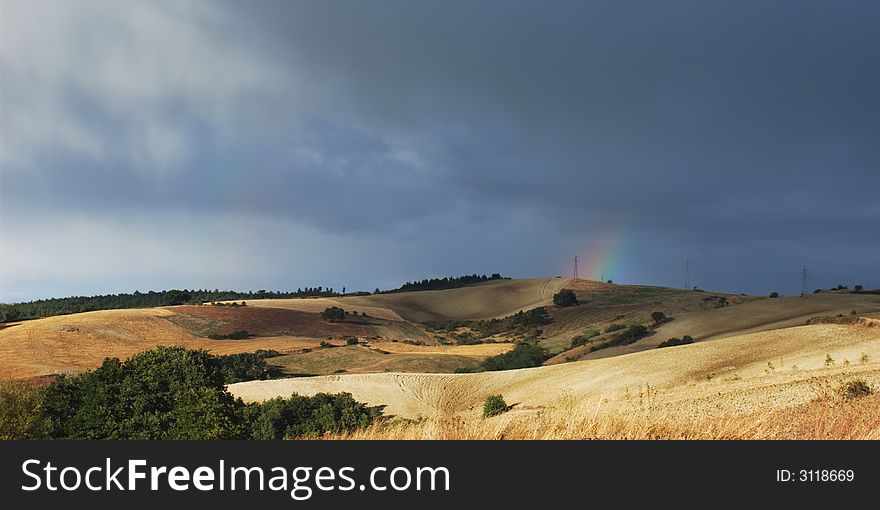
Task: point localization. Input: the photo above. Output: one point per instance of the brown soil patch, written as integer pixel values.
(264, 321)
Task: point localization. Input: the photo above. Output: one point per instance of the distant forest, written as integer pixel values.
(451, 282)
(76, 304)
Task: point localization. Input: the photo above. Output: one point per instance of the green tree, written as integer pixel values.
(20, 416)
(178, 297)
(494, 405)
(333, 314)
(522, 356)
(658, 317)
(565, 297)
(300, 416)
(150, 396)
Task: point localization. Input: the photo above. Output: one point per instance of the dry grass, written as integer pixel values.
(386, 357)
(78, 342)
(827, 419)
(477, 350)
(754, 316)
(487, 300)
(728, 376)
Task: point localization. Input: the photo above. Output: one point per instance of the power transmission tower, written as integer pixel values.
(687, 274)
(805, 275)
(575, 267)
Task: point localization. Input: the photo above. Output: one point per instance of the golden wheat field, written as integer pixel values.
(781, 383)
(73, 343)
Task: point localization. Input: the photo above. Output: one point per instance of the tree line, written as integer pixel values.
(450, 282)
(76, 304)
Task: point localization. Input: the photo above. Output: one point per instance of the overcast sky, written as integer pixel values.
(273, 145)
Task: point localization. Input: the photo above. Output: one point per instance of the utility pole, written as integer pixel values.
(575, 267)
(687, 274)
(805, 275)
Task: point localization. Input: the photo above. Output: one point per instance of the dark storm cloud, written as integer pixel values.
(741, 134)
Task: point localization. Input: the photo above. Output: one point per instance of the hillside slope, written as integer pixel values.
(729, 375)
(77, 342)
(749, 317)
(480, 301)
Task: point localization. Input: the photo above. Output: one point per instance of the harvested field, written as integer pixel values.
(723, 378)
(317, 305)
(492, 299)
(386, 357)
(262, 321)
(78, 342)
(749, 317)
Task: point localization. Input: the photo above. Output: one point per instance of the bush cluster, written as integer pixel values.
(299, 416)
(629, 335)
(333, 314)
(235, 335)
(687, 339)
(169, 393)
(494, 405)
(856, 389)
(565, 297)
(523, 324)
(522, 356)
(582, 339)
(615, 327)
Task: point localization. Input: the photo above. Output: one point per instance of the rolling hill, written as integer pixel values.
(722, 380)
(394, 324)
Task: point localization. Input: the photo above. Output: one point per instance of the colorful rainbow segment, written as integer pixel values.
(604, 256)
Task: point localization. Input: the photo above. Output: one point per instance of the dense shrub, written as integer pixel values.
(247, 366)
(687, 339)
(235, 335)
(333, 314)
(632, 334)
(522, 356)
(583, 338)
(856, 389)
(494, 405)
(167, 393)
(352, 340)
(565, 298)
(660, 317)
(300, 416)
(774, 294)
(174, 393)
(615, 327)
(523, 324)
(626, 337)
(20, 416)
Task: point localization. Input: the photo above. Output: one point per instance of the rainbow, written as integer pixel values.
(604, 256)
